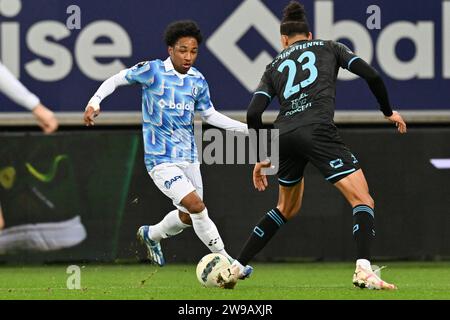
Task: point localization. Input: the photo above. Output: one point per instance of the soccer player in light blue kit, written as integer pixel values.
(172, 90)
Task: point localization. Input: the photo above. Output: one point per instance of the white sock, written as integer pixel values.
(364, 263)
(169, 226)
(207, 231)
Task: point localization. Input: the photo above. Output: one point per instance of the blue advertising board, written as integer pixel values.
(63, 49)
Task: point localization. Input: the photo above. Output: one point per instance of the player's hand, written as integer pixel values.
(259, 179)
(89, 114)
(398, 120)
(46, 119)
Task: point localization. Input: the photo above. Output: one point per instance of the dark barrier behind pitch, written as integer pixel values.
(116, 195)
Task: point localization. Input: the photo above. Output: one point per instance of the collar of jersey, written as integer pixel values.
(168, 65)
(298, 42)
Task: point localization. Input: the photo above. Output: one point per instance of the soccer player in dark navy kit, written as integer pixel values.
(303, 77)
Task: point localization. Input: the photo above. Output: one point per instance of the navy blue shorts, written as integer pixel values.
(319, 144)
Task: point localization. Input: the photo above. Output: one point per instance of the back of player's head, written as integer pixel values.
(181, 29)
(294, 20)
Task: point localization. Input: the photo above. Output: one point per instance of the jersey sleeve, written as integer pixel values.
(142, 73)
(15, 90)
(265, 86)
(203, 102)
(345, 57)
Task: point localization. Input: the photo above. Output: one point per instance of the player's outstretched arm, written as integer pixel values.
(376, 85)
(255, 111)
(18, 93)
(215, 118)
(92, 109)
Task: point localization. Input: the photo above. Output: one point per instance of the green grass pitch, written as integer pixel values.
(281, 281)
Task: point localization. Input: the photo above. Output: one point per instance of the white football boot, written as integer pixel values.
(364, 278)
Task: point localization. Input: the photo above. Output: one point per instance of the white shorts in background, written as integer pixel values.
(42, 236)
(177, 180)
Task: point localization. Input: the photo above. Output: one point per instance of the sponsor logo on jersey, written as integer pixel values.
(176, 106)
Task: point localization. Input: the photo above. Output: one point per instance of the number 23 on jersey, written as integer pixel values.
(290, 88)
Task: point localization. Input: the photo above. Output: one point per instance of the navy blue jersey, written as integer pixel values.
(303, 77)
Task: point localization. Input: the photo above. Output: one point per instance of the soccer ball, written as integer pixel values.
(209, 267)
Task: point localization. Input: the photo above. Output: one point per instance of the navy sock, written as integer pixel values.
(261, 235)
(363, 230)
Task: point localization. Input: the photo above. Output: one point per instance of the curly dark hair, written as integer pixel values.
(294, 20)
(180, 29)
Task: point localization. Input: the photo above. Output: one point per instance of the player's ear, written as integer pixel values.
(284, 41)
(170, 50)
(310, 36)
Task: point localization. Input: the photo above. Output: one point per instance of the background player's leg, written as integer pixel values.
(2, 222)
(355, 189)
(289, 203)
(204, 227)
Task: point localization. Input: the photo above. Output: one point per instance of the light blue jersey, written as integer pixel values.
(169, 100)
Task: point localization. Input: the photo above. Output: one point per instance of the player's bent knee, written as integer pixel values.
(196, 207)
(193, 203)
